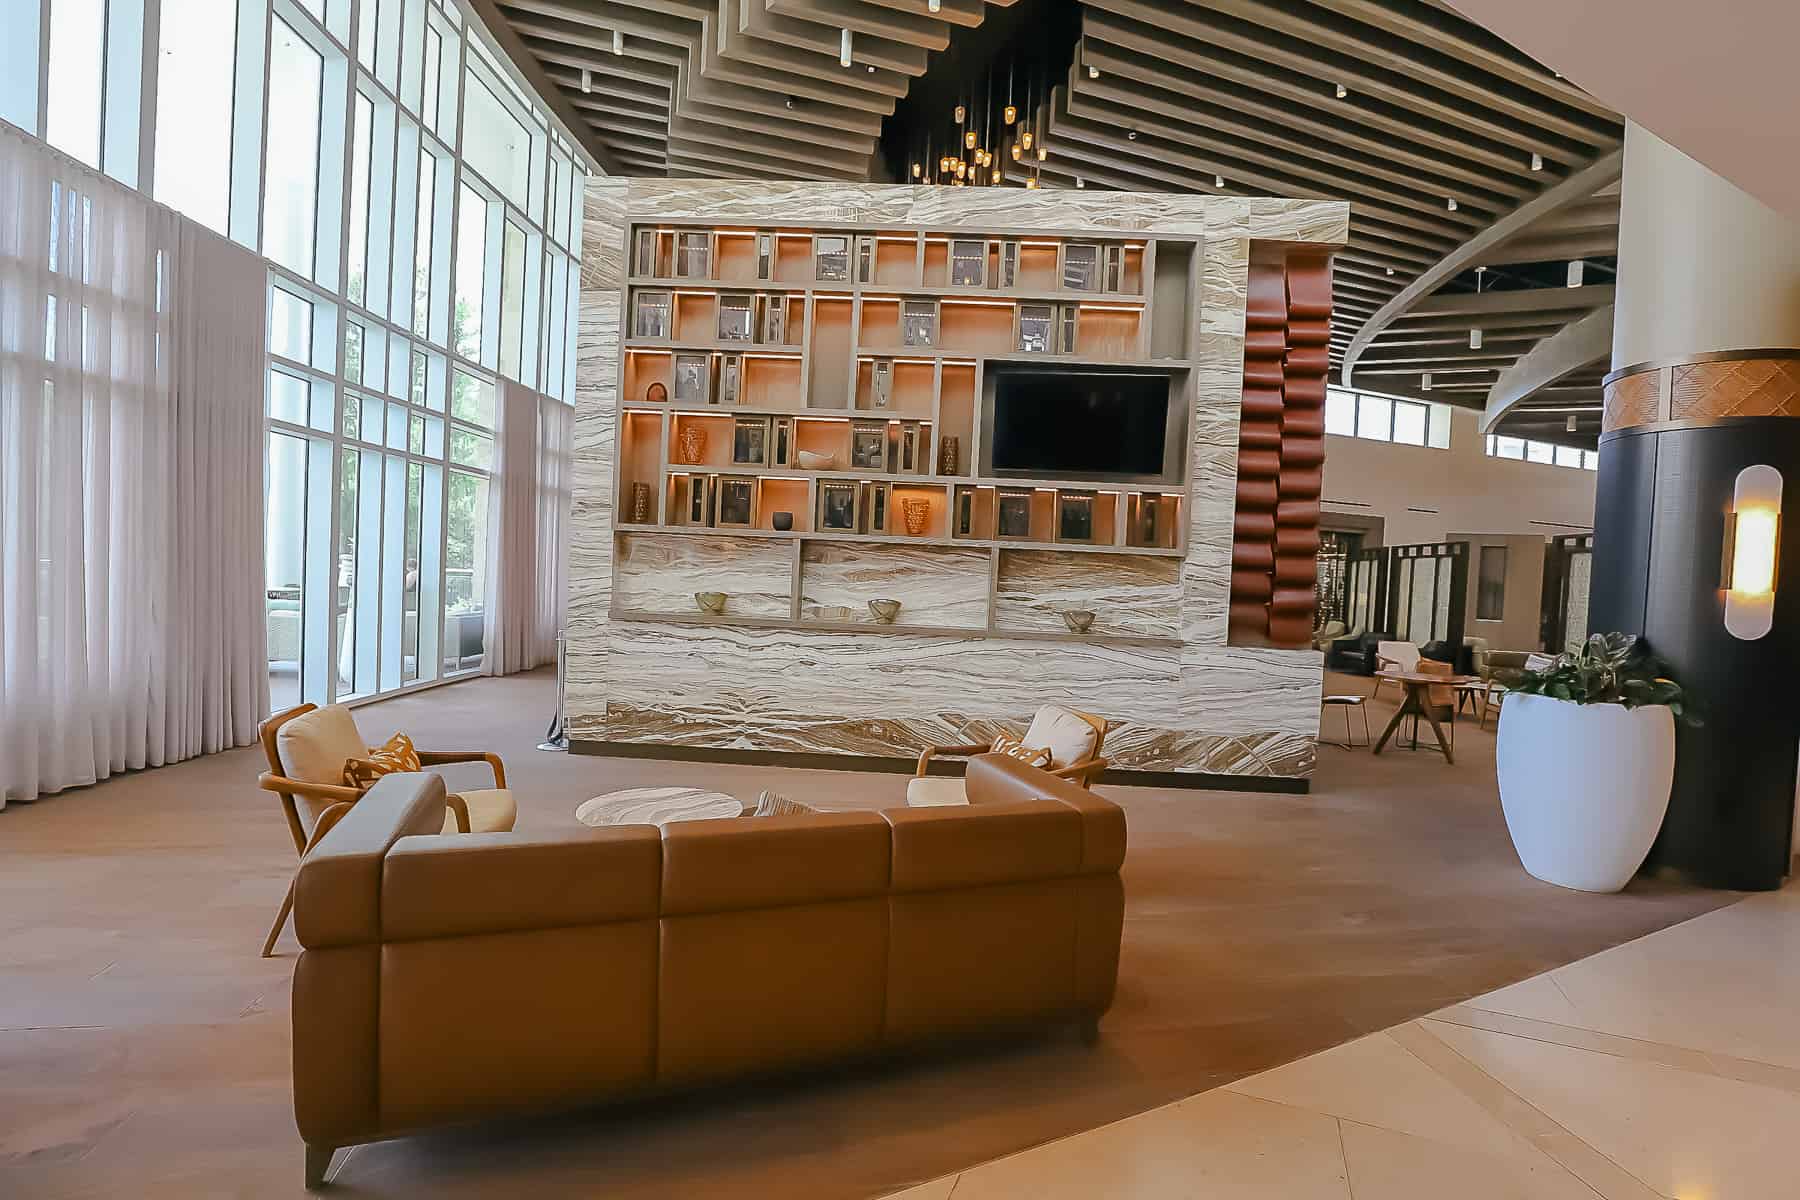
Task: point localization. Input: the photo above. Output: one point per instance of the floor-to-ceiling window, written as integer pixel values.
(419, 212)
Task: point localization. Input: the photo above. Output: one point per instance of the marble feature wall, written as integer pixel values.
(1180, 698)
(659, 573)
(938, 586)
(1131, 594)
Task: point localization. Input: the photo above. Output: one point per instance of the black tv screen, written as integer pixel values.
(1083, 425)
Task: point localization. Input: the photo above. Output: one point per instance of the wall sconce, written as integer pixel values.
(1752, 552)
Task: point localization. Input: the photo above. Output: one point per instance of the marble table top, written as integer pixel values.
(657, 806)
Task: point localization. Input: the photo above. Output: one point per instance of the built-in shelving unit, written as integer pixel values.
(818, 393)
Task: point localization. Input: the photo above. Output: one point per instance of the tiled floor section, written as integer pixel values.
(144, 1045)
(1667, 1067)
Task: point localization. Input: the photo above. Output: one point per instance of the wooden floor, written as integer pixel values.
(144, 1045)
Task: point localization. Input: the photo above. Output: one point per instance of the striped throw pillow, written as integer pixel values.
(768, 804)
(1012, 747)
(396, 754)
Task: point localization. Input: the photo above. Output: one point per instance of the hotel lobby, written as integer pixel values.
(1139, 598)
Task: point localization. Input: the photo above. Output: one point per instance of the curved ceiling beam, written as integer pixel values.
(1577, 187)
(1578, 344)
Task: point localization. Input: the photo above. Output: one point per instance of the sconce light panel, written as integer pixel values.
(1752, 553)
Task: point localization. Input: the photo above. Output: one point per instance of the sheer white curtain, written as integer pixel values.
(130, 480)
(528, 506)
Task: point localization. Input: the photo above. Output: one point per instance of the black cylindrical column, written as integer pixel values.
(1663, 496)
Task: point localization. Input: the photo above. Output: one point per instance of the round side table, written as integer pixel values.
(657, 806)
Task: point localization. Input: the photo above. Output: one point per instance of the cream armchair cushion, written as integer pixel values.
(314, 748)
(1065, 733)
(1404, 655)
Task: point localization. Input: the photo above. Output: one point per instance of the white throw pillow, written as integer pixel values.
(1069, 738)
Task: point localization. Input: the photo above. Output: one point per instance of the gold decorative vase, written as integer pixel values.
(918, 515)
(884, 611)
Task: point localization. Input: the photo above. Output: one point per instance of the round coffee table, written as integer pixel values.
(657, 806)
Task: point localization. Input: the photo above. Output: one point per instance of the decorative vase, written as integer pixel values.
(918, 515)
(947, 454)
(783, 521)
(812, 460)
(884, 611)
(711, 603)
(692, 444)
(1079, 620)
(1584, 787)
(640, 504)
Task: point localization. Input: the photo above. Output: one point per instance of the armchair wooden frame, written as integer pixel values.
(1086, 772)
(339, 798)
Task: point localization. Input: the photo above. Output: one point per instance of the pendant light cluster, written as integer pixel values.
(999, 116)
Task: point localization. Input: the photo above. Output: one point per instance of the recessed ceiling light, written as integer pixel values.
(1218, 181)
(1342, 91)
(1537, 161)
(1570, 423)
(618, 41)
(844, 49)
(1080, 182)
(1390, 270)
(933, 5)
(587, 81)
(1131, 135)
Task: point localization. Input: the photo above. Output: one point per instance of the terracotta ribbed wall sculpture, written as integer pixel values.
(1259, 454)
(1281, 451)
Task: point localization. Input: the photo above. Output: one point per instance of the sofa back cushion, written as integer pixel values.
(714, 866)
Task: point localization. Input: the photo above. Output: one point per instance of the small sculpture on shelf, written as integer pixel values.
(1079, 620)
(947, 456)
(711, 603)
(640, 504)
(812, 460)
(692, 444)
(783, 521)
(884, 611)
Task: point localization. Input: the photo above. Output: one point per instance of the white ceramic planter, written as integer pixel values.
(1584, 787)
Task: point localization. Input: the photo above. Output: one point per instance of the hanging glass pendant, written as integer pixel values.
(1012, 114)
(969, 140)
(961, 112)
(1025, 139)
(1016, 153)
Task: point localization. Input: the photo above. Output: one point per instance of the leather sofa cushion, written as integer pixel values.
(515, 1022)
(711, 866)
(963, 962)
(994, 843)
(337, 891)
(747, 992)
(492, 882)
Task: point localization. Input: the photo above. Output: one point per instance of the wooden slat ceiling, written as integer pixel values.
(1162, 95)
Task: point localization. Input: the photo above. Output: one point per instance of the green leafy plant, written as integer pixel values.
(1610, 668)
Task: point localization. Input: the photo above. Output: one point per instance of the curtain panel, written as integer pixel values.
(528, 515)
(131, 452)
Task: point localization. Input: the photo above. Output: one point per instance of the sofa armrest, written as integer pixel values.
(995, 778)
(961, 751)
(337, 891)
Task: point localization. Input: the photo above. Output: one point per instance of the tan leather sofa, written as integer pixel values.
(449, 978)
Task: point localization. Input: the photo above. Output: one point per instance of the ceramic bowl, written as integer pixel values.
(1078, 620)
(811, 460)
(884, 611)
(783, 521)
(711, 603)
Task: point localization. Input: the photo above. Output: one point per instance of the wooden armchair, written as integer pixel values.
(314, 796)
(1074, 739)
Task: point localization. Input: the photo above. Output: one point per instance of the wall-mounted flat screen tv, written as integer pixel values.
(1079, 424)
